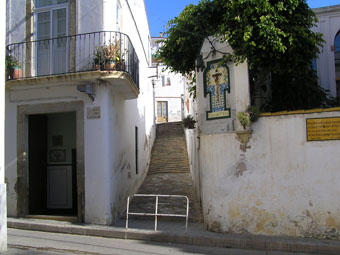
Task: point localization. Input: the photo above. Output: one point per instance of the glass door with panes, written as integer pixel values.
(162, 111)
(51, 31)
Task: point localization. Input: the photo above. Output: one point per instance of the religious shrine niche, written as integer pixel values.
(216, 84)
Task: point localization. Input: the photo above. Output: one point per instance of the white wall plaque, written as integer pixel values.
(93, 112)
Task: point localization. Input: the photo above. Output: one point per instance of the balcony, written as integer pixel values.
(105, 56)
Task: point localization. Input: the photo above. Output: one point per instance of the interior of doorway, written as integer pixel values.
(52, 164)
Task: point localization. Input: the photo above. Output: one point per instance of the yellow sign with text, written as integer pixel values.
(214, 115)
(323, 129)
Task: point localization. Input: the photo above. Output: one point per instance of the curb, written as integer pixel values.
(235, 241)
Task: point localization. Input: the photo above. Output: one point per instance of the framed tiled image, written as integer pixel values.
(57, 155)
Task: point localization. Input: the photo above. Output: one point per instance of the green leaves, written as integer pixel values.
(273, 35)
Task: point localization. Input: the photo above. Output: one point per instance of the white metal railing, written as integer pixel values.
(156, 214)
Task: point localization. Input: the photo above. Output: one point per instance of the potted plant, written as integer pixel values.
(120, 64)
(244, 119)
(109, 57)
(250, 115)
(254, 113)
(111, 54)
(13, 67)
(98, 59)
(120, 61)
(189, 122)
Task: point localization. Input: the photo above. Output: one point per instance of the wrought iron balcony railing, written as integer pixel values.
(104, 50)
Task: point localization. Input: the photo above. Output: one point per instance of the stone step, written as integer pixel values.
(169, 174)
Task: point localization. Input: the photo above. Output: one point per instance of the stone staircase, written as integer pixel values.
(169, 174)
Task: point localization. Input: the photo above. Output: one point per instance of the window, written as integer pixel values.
(45, 3)
(51, 21)
(168, 82)
(163, 80)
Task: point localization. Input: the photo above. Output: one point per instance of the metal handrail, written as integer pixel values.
(156, 214)
(75, 53)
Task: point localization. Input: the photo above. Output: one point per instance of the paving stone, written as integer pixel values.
(169, 174)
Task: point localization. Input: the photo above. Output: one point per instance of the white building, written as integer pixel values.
(3, 211)
(80, 114)
(278, 176)
(169, 89)
(328, 63)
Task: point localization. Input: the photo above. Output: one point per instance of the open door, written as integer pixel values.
(52, 164)
(37, 141)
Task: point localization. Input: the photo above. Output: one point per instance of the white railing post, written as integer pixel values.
(187, 215)
(156, 214)
(127, 213)
(156, 211)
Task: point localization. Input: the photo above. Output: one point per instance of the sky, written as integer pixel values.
(161, 11)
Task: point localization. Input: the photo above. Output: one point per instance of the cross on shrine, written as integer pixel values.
(216, 83)
(216, 76)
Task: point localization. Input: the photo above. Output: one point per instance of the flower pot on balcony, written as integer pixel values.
(96, 67)
(120, 66)
(13, 67)
(15, 72)
(110, 66)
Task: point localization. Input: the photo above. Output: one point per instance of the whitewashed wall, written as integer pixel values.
(109, 144)
(169, 86)
(3, 205)
(171, 94)
(89, 16)
(192, 139)
(237, 100)
(329, 26)
(277, 183)
(15, 21)
(281, 185)
(136, 26)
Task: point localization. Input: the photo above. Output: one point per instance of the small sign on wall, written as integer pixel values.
(93, 112)
(322, 129)
(57, 155)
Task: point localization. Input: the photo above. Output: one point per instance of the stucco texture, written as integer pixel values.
(3, 218)
(279, 185)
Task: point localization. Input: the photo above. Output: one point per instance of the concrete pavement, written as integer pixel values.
(23, 242)
(174, 232)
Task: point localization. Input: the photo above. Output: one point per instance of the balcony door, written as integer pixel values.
(51, 47)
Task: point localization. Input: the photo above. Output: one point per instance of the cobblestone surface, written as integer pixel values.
(169, 174)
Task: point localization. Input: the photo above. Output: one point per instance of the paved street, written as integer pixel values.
(24, 242)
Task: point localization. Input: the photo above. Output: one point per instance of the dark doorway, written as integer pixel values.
(52, 164)
(37, 146)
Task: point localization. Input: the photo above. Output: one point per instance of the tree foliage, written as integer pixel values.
(185, 35)
(274, 36)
